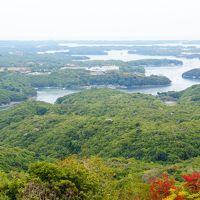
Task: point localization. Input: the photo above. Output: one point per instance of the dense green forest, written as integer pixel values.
(14, 88)
(89, 178)
(107, 123)
(121, 141)
(17, 87)
(80, 78)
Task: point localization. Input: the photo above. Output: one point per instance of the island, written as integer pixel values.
(15, 86)
(75, 79)
(192, 74)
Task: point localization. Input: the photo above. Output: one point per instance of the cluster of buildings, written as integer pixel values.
(99, 70)
(22, 70)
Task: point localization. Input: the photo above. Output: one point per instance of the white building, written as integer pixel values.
(105, 68)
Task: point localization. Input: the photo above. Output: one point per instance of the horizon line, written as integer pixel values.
(100, 40)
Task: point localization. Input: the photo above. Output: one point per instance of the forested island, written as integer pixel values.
(81, 78)
(192, 74)
(133, 63)
(18, 87)
(155, 62)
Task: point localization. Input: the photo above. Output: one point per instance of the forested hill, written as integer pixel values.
(14, 88)
(190, 95)
(107, 123)
(124, 143)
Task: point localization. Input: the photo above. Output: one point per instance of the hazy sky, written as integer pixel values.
(100, 19)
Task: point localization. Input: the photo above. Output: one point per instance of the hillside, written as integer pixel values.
(189, 95)
(14, 88)
(98, 144)
(107, 123)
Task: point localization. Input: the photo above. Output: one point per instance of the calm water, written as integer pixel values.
(51, 94)
(74, 44)
(174, 73)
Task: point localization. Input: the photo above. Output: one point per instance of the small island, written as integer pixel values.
(156, 62)
(192, 74)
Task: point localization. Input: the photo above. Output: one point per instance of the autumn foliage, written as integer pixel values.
(193, 182)
(163, 188)
(160, 187)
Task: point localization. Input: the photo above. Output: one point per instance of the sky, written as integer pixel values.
(99, 19)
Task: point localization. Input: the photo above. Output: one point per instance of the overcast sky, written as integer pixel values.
(100, 19)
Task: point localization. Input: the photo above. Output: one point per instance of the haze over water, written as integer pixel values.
(174, 73)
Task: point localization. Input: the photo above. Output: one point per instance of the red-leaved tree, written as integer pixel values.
(192, 182)
(160, 187)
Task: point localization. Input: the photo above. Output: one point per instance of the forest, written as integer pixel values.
(14, 88)
(76, 79)
(98, 143)
(102, 144)
(17, 87)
